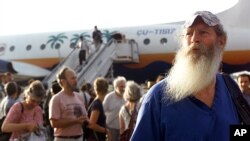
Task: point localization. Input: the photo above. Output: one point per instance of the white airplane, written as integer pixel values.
(33, 54)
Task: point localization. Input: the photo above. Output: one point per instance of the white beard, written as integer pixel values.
(191, 71)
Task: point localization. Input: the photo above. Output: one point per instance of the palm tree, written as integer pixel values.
(76, 38)
(56, 41)
(107, 34)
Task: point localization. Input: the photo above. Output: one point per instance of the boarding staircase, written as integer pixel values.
(99, 62)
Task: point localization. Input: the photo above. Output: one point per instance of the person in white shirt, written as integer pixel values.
(84, 51)
(112, 104)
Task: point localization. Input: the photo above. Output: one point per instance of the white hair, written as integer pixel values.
(119, 79)
(192, 72)
(132, 91)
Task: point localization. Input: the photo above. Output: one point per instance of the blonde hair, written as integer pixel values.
(35, 89)
(101, 86)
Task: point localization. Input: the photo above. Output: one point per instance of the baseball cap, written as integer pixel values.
(209, 18)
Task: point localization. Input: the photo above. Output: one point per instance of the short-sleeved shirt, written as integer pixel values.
(63, 106)
(185, 120)
(112, 105)
(6, 104)
(101, 121)
(19, 115)
(126, 114)
(83, 45)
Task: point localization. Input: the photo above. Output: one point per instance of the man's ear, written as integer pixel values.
(222, 41)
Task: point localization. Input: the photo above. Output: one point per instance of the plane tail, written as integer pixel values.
(236, 16)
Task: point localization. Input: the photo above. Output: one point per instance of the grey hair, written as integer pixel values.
(118, 80)
(219, 30)
(132, 91)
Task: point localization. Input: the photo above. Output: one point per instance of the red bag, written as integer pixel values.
(126, 135)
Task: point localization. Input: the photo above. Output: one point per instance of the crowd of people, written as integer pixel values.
(66, 112)
(119, 106)
(187, 104)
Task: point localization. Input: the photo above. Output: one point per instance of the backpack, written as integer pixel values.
(240, 103)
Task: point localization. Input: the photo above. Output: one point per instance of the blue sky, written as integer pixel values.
(31, 16)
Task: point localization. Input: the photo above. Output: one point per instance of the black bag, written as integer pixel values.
(3, 136)
(86, 130)
(241, 105)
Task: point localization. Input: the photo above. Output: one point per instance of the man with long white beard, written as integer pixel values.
(193, 102)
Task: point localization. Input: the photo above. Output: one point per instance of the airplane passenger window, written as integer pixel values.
(164, 41)
(57, 46)
(72, 45)
(12, 48)
(43, 46)
(28, 47)
(146, 41)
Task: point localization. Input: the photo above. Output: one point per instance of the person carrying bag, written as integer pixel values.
(125, 136)
(26, 117)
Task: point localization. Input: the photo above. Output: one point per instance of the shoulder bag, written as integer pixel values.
(241, 105)
(126, 135)
(3, 135)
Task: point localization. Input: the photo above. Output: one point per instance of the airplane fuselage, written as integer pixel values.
(46, 49)
(157, 46)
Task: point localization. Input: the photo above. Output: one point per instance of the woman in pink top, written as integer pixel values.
(26, 116)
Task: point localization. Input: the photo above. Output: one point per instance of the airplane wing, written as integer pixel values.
(27, 71)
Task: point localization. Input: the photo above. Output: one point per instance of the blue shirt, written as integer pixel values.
(6, 104)
(185, 120)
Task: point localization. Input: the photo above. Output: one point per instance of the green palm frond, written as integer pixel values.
(61, 41)
(58, 38)
(75, 38)
(107, 34)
